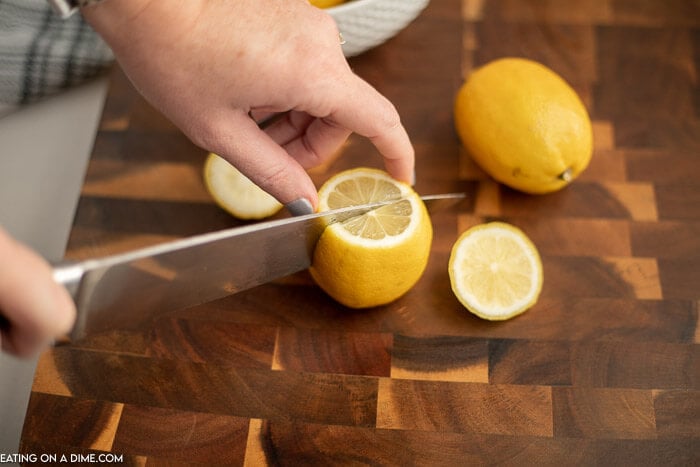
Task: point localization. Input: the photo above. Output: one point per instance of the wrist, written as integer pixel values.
(111, 18)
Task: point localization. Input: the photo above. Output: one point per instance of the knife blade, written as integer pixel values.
(125, 290)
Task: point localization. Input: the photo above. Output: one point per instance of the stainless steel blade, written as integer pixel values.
(124, 291)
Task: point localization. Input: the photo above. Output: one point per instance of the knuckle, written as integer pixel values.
(312, 158)
(207, 134)
(388, 118)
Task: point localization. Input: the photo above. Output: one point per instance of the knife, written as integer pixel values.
(125, 290)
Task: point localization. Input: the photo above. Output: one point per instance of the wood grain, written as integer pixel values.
(603, 370)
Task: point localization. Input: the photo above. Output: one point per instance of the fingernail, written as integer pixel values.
(413, 178)
(300, 207)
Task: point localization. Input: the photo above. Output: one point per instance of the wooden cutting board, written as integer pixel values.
(605, 369)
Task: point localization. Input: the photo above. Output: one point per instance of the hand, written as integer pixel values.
(34, 309)
(209, 65)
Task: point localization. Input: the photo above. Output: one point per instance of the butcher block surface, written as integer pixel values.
(604, 369)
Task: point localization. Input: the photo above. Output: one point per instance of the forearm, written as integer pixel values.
(123, 24)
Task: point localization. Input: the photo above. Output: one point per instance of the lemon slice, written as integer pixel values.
(235, 192)
(375, 258)
(495, 271)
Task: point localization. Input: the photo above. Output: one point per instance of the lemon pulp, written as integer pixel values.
(495, 271)
(375, 258)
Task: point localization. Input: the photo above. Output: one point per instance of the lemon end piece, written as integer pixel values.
(235, 193)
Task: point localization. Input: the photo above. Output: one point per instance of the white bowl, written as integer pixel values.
(365, 24)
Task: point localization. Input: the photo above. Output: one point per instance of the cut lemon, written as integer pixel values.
(235, 192)
(375, 258)
(495, 271)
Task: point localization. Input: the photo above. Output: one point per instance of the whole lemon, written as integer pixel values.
(326, 3)
(524, 125)
(375, 258)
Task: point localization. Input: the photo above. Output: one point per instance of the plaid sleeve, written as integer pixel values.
(42, 54)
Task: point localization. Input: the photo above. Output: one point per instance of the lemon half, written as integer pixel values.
(375, 258)
(495, 271)
(235, 192)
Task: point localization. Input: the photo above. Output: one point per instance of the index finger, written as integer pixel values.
(362, 109)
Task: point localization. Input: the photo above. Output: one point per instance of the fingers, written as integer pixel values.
(333, 102)
(350, 104)
(264, 161)
(309, 140)
(295, 140)
(366, 112)
(286, 127)
(35, 309)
